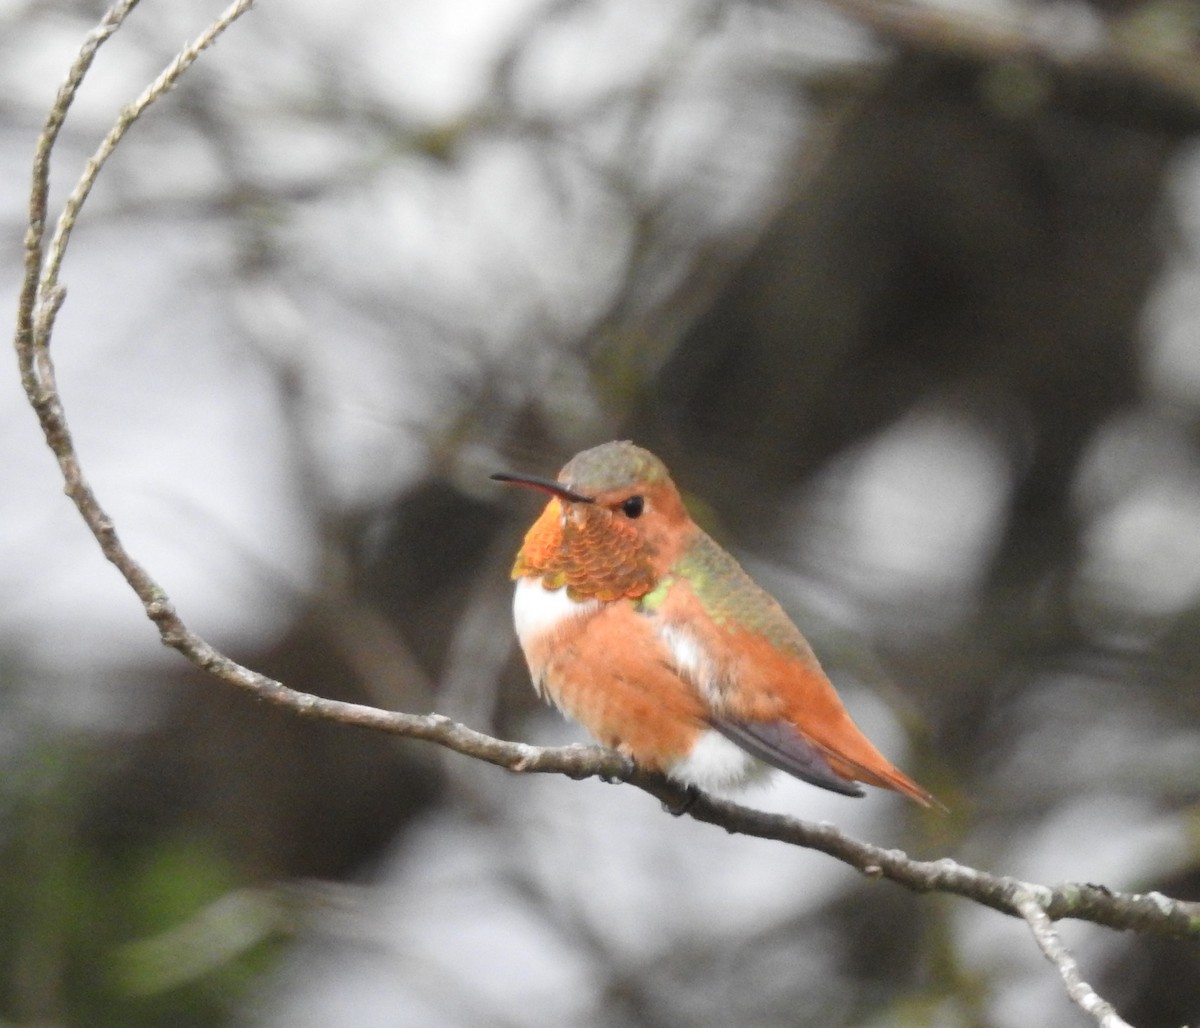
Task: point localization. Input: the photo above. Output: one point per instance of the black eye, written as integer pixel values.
(633, 507)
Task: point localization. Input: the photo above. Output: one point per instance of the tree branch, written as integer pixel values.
(32, 297)
(1047, 938)
(1123, 68)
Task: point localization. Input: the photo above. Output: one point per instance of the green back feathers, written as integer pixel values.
(733, 600)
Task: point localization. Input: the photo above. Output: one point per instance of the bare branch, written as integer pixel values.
(1051, 945)
(42, 295)
(1155, 79)
(1143, 71)
(1150, 913)
(34, 236)
(48, 286)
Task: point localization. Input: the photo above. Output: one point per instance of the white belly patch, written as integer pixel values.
(715, 763)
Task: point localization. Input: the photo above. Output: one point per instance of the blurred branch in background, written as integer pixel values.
(885, 308)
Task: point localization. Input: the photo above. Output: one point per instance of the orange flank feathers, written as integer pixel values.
(637, 624)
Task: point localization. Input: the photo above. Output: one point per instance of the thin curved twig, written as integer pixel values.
(48, 286)
(32, 296)
(41, 294)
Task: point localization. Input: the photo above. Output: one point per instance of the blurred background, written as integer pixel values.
(907, 298)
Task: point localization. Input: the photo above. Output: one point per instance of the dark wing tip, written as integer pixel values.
(777, 743)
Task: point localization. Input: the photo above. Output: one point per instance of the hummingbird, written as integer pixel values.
(638, 625)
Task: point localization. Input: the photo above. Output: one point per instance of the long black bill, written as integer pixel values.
(546, 485)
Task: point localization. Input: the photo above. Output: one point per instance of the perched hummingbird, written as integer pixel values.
(638, 625)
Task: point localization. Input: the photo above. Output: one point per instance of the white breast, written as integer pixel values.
(537, 610)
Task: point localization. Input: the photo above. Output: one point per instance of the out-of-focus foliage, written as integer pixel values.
(96, 929)
(915, 328)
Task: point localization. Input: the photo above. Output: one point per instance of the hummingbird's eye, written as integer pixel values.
(633, 507)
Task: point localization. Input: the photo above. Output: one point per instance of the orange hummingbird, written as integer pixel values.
(638, 625)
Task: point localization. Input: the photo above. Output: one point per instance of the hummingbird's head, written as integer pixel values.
(615, 522)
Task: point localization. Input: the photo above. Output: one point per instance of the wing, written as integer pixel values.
(777, 743)
(733, 600)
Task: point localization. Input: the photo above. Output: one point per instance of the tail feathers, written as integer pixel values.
(885, 776)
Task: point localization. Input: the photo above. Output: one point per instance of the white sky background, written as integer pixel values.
(393, 261)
